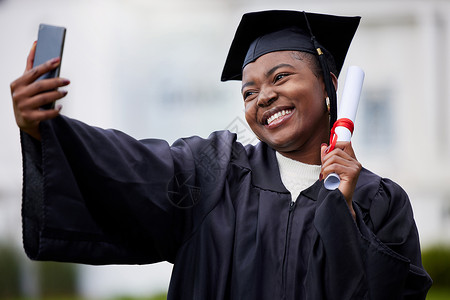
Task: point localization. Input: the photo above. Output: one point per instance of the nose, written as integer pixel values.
(266, 96)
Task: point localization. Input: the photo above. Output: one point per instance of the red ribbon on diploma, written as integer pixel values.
(343, 122)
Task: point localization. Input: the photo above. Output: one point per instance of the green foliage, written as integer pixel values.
(54, 279)
(9, 273)
(159, 297)
(162, 296)
(57, 278)
(436, 261)
(438, 294)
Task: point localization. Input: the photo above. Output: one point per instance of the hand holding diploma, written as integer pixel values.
(343, 129)
(338, 160)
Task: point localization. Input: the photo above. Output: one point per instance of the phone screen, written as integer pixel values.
(49, 45)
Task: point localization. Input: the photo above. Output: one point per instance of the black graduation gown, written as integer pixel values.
(219, 212)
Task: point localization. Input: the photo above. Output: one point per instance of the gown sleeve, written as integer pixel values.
(101, 197)
(389, 222)
(376, 256)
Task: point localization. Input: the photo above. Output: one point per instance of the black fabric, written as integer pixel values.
(255, 33)
(32, 194)
(286, 39)
(329, 85)
(220, 213)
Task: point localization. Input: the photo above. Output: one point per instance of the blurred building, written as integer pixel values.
(152, 69)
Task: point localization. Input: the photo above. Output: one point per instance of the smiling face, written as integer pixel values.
(285, 104)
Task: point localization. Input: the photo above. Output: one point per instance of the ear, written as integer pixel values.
(335, 83)
(335, 80)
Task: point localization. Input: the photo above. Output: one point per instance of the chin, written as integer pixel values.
(282, 145)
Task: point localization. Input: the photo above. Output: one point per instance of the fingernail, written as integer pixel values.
(320, 177)
(54, 60)
(323, 145)
(65, 81)
(328, 149)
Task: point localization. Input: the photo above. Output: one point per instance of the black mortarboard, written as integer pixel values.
(262, 32)
(334, 33)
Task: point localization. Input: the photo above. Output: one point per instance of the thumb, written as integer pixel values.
(30, 58)
(323, 151)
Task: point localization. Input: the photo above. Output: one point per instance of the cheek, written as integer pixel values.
(251, 117)
(316, 100)
(250, 112)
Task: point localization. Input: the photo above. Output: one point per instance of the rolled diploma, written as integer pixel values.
(347, 109)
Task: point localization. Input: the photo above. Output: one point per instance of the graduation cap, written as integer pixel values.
(263, 32)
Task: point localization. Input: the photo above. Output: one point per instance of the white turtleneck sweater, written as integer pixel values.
(296, 176)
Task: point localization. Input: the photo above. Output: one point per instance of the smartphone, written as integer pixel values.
(50, 44)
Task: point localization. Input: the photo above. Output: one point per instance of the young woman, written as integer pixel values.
(238, 221)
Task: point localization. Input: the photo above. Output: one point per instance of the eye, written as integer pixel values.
(247, 94)
(280, 76)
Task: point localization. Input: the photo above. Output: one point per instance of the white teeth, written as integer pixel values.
(278, 115)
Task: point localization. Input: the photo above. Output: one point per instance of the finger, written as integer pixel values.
(338, 156)
(31, 75)
(30, 58)
(346, 147)
(343, 169)
(36, 116)
(45, 85)
(34, 103)
(333, 156)
(36, 72)
(333, 164)
(323, 151)
(348, 170)
(23, 92)
(336, 159)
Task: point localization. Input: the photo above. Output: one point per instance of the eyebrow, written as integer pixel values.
(268, 73)
(271, 71)
(246, 84)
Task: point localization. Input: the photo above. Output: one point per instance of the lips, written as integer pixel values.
(276, 115)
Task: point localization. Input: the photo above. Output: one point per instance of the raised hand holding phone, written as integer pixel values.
(50, 44)
(30, 92)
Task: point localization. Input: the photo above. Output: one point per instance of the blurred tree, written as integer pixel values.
(57, 279)
(436, 261)
(9, 272)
